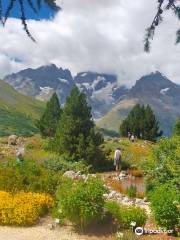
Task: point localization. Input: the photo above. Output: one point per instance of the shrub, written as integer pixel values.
(163, 164)
(81, 202)
(61, 164)
(136, 173)
(132, 191)
(28, 177)
(127, 235)
(125, 215)
(164, 203)
(23, 209)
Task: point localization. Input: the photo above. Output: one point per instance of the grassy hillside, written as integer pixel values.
(166, 114)
(112, 120)
(17, 112)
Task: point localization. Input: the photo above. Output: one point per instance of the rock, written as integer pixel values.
(145, 199)
(125, 200)
(51, 226)
(19, 141)
(12, 140)
(70, 174)
(138, 201)
(122, 175)
(112, 194)
(83, 176)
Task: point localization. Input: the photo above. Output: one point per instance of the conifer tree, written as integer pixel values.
(177, 127)
(49, 120)
(76, 137)
(142, 122)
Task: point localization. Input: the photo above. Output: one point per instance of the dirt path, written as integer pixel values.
(42, 232)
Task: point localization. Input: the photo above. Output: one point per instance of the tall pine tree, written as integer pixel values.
(49, 120)
(76, 137)
(177, 127)
(142, 122)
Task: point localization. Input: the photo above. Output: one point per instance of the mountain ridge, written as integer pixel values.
(155, 90)
(102, 90)
(109, 100)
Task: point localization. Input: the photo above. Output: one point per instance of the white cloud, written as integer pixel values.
(104, 36)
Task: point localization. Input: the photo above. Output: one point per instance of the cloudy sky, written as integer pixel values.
(97, 35)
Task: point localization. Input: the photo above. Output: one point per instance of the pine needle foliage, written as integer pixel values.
(163, 5)
(35, 5)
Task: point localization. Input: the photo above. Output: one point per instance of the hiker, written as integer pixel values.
(117, 159)
(129, 135)
(132, 138)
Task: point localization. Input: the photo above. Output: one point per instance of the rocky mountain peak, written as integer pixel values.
(153, 84)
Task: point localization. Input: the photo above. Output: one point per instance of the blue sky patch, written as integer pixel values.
(44, 13)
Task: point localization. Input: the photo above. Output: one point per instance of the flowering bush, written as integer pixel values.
(23, 209)
(125, 215)
(28, 177)
(81, 202)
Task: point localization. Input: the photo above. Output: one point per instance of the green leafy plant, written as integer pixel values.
(81, 202)
(132, 191)
(29, 176)
(127, 235)
(125, 215)
(177, 127)
(61, 164)
(163, 164)
(165, 203)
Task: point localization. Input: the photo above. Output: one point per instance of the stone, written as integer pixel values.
(51, 226)
(145, 199)
(125, 200)
(138, 200)
(112, 194)
(70, 174)
(12, 140)
(122, 175)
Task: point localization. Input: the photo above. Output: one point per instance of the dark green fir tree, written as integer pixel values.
(141, 121)
(49, 120)
(76, 137)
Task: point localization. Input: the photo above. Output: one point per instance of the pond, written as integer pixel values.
(124, 184)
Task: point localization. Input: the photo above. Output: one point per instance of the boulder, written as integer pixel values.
(70, 174)
(112, 194)
(122, 175)
(12, 140)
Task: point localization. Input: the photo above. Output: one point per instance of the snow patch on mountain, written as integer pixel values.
(163, 91)
(62, 80)
(45, 93)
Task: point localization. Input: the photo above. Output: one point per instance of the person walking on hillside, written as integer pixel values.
(132, 138)
(129, 135)
(117, 159)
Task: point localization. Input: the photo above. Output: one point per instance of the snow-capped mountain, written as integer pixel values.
(106, 97)
(154, 89)
(42, 82)
(102, 90)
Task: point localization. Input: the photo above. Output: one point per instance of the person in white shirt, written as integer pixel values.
(117, 159)
(132, 138)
